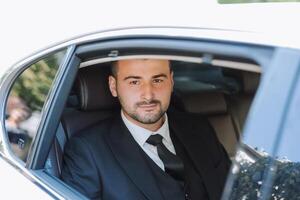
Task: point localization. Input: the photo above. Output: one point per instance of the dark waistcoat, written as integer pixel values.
(193, 187)
(169, 187)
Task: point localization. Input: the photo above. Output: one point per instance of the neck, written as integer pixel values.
(151, 127)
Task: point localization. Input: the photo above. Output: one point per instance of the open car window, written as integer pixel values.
(222, 94)
(221, 88)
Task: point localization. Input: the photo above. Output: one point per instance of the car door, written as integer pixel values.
(266, 165)
(125, 45)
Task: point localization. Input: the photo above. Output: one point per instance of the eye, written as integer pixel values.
(157, 80)
(134, 82)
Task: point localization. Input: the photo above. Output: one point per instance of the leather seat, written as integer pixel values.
(227, 114)
(95, 101)
(239, 104)
(213, 105)
(90, 102)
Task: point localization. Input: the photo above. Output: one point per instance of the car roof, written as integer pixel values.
(33, 25)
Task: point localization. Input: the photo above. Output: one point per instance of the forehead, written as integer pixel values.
(141, 66)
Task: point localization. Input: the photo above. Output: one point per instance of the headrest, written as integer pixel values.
(92, 88)
(206, 103)
(250, 82)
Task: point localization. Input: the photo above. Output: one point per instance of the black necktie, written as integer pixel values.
(173, 164)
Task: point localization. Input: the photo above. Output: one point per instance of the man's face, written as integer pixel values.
(144, 88)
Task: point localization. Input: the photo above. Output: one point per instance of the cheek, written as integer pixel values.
(128, 96)
(127, 91)
(164, 94)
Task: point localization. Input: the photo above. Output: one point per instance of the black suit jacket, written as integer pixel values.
(105, 162)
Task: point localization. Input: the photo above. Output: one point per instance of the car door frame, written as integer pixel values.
(107, 46)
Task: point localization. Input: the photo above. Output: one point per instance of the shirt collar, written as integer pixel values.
(141, 134)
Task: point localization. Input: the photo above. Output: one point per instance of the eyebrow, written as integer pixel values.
(133, 77)
(138, 77)
(159, 75)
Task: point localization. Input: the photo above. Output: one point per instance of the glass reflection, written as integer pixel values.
(257, 175)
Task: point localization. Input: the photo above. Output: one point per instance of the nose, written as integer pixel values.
(147, 93)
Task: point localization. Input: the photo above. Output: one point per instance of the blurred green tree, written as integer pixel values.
(253, 1)
(34, 83)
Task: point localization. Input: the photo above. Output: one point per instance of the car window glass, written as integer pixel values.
(266, 168)
(257, 174)
(287, 163)
(254, 171)
(266, 165)
(26, 100)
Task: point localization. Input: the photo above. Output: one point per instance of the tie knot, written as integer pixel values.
(155, 139)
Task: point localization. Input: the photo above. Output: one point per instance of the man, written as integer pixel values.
(144, 153)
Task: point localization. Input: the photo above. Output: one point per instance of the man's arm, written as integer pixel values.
(79, 168)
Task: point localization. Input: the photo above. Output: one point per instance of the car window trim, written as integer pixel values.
(174, 46)
(54, 104)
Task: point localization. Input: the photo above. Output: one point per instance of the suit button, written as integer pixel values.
(187, 197)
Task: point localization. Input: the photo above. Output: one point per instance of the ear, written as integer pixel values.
(112, 86)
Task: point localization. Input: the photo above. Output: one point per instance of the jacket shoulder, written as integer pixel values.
(95, 130)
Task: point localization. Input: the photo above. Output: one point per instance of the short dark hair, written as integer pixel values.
(114, 68)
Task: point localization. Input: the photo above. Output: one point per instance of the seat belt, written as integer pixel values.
(61, 136)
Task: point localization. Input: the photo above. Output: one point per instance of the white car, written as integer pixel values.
(238, 65)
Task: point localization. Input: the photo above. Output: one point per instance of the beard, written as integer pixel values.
(145, 118)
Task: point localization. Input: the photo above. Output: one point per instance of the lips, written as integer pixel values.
(148, 106)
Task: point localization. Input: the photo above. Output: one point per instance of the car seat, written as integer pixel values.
(89, 102)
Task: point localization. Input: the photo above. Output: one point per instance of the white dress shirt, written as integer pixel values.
(141, 135)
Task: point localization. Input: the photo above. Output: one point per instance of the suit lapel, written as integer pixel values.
(128, 154)
(197, 150)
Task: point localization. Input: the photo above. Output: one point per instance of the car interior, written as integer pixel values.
(220, 92)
